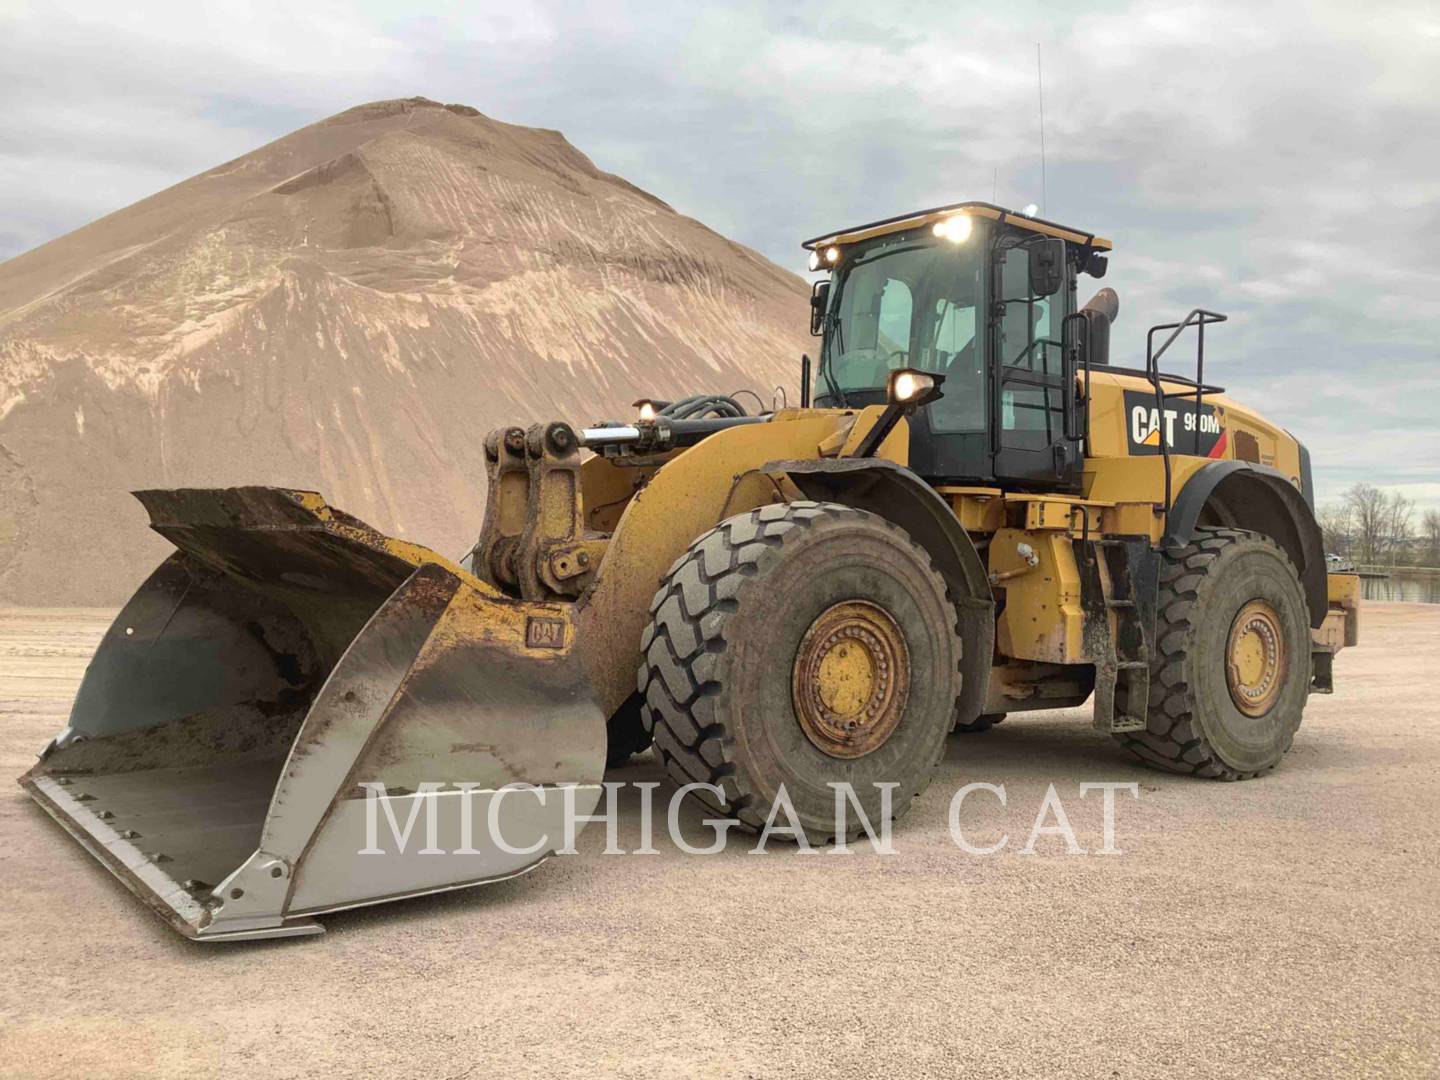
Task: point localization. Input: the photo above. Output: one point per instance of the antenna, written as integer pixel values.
(995, 186)
(1040, 89)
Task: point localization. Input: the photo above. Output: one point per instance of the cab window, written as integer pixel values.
(910, 303)
(957, 353)
(1027, 344)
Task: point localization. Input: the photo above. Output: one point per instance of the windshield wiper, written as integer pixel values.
(834, 339)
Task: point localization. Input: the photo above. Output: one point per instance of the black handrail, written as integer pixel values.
(1081, 431)
(1199, 318)
(1042, 380)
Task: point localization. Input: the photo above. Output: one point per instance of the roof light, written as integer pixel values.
(832, 254)
(955, 229)
(647, 410)
(814, 261)
(1030, 210)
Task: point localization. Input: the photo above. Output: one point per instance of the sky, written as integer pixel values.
(1278, 163)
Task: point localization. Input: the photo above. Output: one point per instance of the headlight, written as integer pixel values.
(647, 409)
(911, 387)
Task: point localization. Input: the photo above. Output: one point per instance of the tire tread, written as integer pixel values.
(685, 644)
(1172, 740)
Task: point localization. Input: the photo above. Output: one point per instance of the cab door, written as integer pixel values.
(1029, 372)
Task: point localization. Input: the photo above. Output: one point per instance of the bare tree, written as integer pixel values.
(1430, 529)
(1366, 505)
(1399, 512)
(1381, 523)
(1337, 525)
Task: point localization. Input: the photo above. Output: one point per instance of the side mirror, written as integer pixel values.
(1047, 266)
(819, 302)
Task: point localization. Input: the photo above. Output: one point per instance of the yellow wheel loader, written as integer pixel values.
(972, 512)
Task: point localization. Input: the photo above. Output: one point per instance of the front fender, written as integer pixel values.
(899, 495)
(691, 493)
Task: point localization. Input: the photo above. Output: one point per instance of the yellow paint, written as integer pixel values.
(1048, 514)
(846, 678)
(1110, 424)
(896, 446)
(1042, 619)
(1134, 489)
(979, 509)
(1342, 620)
(834, 442)
(1248, 656)
(660, 523)
(607, 487)
(1342, 587)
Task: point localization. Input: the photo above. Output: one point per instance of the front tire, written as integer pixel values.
(800, 645)
(1230, 671)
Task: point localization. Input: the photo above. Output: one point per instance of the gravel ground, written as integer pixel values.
(1284, 926)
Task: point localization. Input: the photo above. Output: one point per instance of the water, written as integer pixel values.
(1409, 585)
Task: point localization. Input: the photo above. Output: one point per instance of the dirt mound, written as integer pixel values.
(350, 309)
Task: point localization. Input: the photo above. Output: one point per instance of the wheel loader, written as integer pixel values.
(972, 511)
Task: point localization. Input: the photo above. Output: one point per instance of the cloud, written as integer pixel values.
(1280, 163)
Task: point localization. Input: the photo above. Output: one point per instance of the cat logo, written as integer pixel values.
(541, 633)
(1183, 430)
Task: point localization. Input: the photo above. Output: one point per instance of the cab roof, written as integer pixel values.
(921, 218)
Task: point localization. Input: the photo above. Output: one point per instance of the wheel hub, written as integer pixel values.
(851, 679)
(1255, 660)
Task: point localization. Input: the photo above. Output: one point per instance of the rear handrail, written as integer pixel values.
(1199, 318)
(1080, 362)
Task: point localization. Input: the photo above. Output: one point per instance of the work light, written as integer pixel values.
(911, 387)
(955, 229)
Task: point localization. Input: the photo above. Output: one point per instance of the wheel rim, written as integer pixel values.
(1255, 660)
(851, 679)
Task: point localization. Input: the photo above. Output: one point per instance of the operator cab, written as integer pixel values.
(984, 297)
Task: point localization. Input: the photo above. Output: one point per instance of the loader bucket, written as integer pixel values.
(296, 714)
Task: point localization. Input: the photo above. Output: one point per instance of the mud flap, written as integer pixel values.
(296, 715)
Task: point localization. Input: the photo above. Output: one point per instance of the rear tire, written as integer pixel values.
(1230, 671)
(766, 615)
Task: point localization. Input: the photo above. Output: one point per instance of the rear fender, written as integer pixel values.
(1244, 495)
